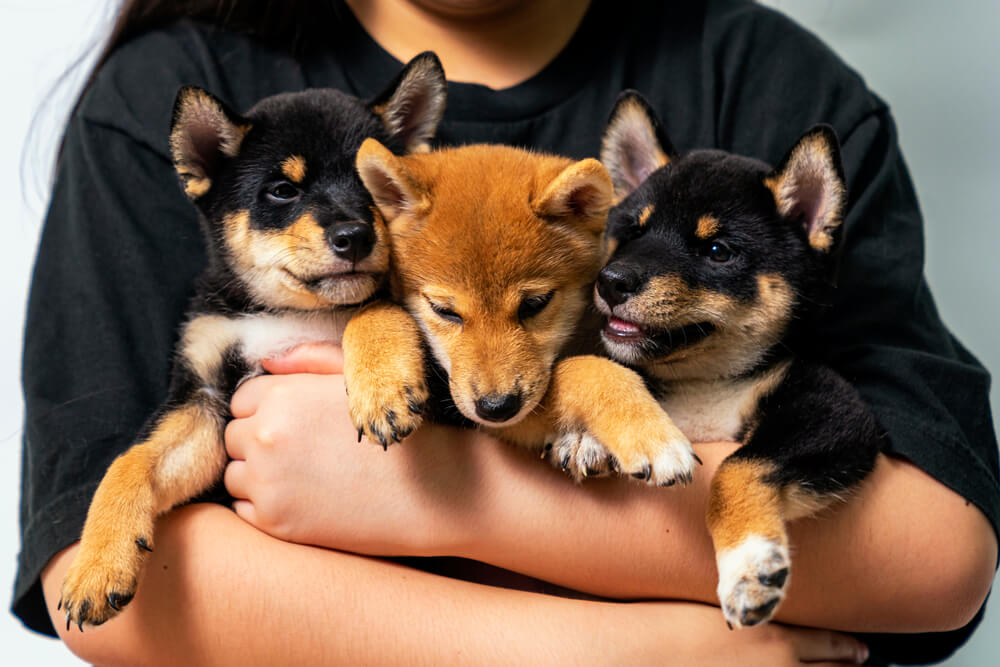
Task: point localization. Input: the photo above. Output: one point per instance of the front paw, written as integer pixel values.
(101, 581)
(580, 455)
(753, 577)
(387, 405)
(653, 450)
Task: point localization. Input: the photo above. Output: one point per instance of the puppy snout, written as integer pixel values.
(616, 284)
(351, 240)
(497, 407)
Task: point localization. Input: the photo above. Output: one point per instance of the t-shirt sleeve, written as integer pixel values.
(118, 255)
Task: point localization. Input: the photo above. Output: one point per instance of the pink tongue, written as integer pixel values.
(621, 326)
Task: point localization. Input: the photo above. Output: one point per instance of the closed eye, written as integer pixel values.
(533, 305)
(444, 312)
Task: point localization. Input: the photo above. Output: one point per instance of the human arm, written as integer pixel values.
(218, 592)
(905, 554)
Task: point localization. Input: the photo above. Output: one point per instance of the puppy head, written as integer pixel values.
(287, 216)
(494, 251)
(715, 254)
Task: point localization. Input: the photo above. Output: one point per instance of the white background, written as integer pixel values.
(937, 63)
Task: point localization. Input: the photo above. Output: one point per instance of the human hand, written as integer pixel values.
(701, 634)
(299, 474)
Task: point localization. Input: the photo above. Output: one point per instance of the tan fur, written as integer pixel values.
(203, 342)
(294, 168)
(798, 502)
(181, 458)
(631, 134)
(476, 231)
(390, 385)
(645, 213)
(810, 167)
(276, 264)
(745, 329)
(741, 504)
(432, 200)
(196, 108)
(707, 227)
(611, 403)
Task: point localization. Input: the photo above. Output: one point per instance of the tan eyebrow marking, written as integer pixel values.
(707, 226)
(644, 214)
(294, 168)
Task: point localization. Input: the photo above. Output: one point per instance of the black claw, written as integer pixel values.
(361, 434)
(548, 447)
(68, 621)
(729, 625)
(415, 408)
(644, 473)
(613, 463)
(697, 459)
(142, 544)
(757, 615)
(775, 579)
(79, 624)
(565, 462)
(669, 482)
(112, 603)
(59, 606)
(592, 471)
(119, 600)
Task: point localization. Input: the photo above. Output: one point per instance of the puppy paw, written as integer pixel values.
(654, 451)
(102, 580)
(580, 455)
(387, 405)
(752, 580)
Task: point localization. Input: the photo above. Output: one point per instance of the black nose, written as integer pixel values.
(616, 283)
(351, 240)
(496, 408)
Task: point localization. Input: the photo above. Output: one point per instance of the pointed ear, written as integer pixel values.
(582, 190)
(634, 143)
(413, 104)
(391, 184)
(809, 187)
(203, 133)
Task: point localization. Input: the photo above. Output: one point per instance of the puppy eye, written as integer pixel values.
(533, 305)
(282, 193)
(717, 251)
(445, 312)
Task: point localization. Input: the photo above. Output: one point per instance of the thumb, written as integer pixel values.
(320, 358)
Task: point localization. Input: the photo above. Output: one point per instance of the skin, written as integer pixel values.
(305, 481)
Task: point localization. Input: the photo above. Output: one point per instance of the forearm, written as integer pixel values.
(218, 592)
(905, 554)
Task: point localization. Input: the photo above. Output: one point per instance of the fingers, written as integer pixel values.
(813, 646)
(323, 358)
(235, 480)
(245, 510)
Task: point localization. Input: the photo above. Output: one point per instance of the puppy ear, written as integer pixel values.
(203, 133)
(634, 143)
(413, 104)
(809, 187)
(582, 190)
(391, 184)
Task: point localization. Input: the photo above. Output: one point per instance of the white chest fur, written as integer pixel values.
(207, 338)
(266, 336)
(716, 410)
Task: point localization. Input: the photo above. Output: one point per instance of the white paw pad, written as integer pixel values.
(752, 580)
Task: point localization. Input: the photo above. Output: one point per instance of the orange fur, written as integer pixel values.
(742, 504)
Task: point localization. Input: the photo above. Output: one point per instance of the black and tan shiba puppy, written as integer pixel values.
(294, 246)
(494, 254)
(719, 261)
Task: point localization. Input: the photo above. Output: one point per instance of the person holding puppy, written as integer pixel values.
(288, 578)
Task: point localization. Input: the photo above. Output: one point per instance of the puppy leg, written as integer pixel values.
(183, 456)
(384, 372)
(602, 407)
(815, 443)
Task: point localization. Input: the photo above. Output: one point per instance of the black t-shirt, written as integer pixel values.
(121, 244)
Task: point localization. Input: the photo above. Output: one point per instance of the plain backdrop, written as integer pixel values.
(937, 63)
